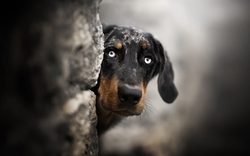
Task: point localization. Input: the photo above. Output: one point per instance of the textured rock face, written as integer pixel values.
(50, 56)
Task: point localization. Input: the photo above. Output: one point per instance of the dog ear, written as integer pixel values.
(107, 28)
(166, 86)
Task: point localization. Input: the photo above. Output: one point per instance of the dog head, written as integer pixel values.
(131, 59)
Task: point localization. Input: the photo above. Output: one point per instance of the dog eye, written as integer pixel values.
(111, 54)
(147, 60)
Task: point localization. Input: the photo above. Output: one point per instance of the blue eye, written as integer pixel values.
(112, 54)
(147, 60)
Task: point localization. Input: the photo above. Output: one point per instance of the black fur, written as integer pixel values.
(129, 67)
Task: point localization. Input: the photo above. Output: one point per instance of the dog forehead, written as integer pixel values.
(130, 34)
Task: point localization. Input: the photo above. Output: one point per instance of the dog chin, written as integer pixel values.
(125, 113)
(121, 112)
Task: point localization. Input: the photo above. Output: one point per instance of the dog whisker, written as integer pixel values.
(148, 109)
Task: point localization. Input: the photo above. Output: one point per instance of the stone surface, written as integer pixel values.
(50, 56)
(82, 119)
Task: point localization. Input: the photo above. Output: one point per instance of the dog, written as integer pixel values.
(131, 59)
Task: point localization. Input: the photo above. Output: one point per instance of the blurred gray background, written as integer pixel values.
(208, 44)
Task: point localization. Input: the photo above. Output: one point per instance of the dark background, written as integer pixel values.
(208, 44)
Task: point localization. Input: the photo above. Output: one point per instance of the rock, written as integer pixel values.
(50, 56)
(82, 134)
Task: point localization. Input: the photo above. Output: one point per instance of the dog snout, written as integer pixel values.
(129, 95)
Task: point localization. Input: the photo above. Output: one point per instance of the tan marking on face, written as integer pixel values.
(144, 45)
(108, 101)
(118, 45)
(108, 91)
(107, 97)
(140, 106)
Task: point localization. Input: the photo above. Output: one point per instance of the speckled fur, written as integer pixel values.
(131, 46)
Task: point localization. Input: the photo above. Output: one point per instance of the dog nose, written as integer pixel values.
(129, 94)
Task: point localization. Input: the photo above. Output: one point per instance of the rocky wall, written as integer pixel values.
(50, 56)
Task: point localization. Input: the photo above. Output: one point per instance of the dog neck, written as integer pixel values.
(106, 119)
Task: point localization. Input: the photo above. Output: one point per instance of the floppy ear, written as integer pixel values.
(166, 86)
